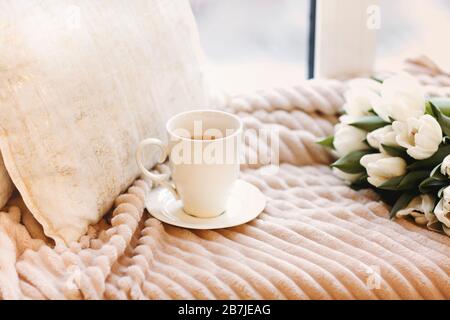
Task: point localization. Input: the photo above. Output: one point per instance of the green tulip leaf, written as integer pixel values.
(443, 104)
(369, 123)
(443, 120)
(327, 142)
(350, 163)
(433, 161)
(376, 79)
(437, 174)
(428, 109)
(401, 203)
(395, 151)
(361, 183)
(410, 181)
(431, 185)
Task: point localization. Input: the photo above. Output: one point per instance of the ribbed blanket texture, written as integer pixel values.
(316, 239)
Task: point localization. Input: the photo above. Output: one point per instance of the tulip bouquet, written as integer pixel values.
(393, 139)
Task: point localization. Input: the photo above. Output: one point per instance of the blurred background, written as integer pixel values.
(265, 42)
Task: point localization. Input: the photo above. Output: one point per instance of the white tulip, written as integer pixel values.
(420, 208)
(445, 166)
(421, 137)
(347, 177)
(381, 168)
(360, 95)
(347, 119)
(348, 139)
(442, 210)
(401, 96)
(359, 101)
(384, 135)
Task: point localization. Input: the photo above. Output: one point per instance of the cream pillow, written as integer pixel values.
(80, 86)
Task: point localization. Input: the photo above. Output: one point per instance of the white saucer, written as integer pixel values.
(246, 202)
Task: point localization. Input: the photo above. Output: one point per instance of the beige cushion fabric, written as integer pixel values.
(82, 85)
(6, 185)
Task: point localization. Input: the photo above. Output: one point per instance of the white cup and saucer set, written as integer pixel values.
(203, 189)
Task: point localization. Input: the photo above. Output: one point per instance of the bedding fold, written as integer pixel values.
(316, 239)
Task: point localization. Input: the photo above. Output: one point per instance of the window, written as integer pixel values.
(412, 27)
(254, 44)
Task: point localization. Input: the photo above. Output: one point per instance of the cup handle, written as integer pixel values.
(160, 179)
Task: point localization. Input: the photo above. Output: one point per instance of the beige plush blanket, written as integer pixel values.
(316, 239)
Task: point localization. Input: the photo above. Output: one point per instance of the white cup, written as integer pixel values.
(204, 158)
